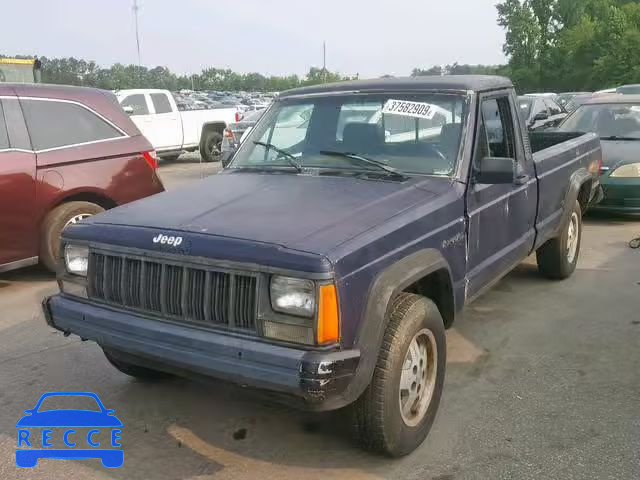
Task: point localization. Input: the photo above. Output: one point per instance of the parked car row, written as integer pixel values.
(244, 101)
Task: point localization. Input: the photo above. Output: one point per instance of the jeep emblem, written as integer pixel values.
(167, 240)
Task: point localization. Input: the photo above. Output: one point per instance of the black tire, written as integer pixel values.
(210, 146)
(52, 227)
(554, 259)
(136, 371)
(378, 423)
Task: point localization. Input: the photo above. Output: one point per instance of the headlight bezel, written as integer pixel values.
(78, 249)
(314, 326)
(621, 171)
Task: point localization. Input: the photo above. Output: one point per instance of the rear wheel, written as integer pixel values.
(55, 222)
(136, 371)
(211, 146)
(396, 411)
(558, 257)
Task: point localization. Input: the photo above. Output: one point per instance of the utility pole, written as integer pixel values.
(324, 62)
(135, 9)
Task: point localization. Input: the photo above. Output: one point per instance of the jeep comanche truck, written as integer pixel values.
(325, 265)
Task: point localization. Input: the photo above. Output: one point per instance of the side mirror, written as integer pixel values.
(541, 116)
(495, 170)
(128, 109)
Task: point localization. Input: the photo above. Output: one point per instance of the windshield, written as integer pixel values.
(607, 120)
(409, 133)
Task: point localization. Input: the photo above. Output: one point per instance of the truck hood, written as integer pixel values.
(301, 212)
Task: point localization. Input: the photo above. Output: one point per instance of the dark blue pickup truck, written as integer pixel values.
(350, 229)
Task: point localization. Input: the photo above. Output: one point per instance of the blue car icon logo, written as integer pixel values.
(41, 432)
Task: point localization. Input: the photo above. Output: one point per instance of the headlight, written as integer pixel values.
(631, 170)
(294, 296)
(76, 259)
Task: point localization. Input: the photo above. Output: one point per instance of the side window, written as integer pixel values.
(538, 107)
(497, 128)
(553, 107)
(54, 124)
(137, 102)
(4, 137)
(160, 103)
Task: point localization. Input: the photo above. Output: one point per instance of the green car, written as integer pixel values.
(616, 118)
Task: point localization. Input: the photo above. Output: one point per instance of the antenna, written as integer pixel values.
(135, 9)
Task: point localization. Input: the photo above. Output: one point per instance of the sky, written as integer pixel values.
(273, 37)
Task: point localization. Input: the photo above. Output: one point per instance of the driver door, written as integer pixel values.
(501, 216)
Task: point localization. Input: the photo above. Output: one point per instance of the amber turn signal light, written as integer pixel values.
(328, 317)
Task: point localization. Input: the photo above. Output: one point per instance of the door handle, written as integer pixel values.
(522, 179)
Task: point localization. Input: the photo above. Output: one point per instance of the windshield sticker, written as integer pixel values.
(409, 109)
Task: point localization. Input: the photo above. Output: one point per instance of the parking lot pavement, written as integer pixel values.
(543, 383)
(186, 169)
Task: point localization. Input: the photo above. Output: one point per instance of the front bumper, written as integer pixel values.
(317, 380)
(619, 195)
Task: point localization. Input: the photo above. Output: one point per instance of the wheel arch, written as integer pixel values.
(579, 189)
(422, 271)
(218, 127)
(91, 196)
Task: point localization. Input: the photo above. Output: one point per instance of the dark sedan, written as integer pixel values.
(540, 113)
(616, 118)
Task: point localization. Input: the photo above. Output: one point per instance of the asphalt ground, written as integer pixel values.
(543, 382)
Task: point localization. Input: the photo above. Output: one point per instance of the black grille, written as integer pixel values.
(183, 293)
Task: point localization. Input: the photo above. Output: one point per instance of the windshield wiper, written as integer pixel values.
(369, 161)
(615, 137)
(288, 157)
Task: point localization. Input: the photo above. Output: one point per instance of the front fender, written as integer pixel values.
(391, 281)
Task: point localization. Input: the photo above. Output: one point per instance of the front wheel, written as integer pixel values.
(396, 411)
(55, 222)
(558, 257)
(211, 146)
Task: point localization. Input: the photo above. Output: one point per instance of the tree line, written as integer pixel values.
(571, 45)
(72, 71)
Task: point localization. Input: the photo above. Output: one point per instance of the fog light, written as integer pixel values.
(75, 289)
(288, 332)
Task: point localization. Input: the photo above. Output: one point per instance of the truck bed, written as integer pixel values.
(555, 155)
(543, 140)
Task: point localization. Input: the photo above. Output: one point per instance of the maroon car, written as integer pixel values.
(65, 153)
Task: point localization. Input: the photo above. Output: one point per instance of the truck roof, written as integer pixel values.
(476, 83)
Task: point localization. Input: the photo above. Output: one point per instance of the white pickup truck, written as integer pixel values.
(171, 131)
